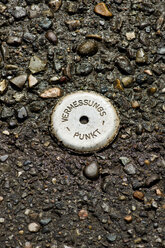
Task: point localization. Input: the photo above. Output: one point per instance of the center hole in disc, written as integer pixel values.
(84, 119)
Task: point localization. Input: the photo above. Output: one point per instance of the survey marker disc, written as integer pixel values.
(84, 121)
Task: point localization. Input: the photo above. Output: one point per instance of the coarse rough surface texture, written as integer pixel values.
(41, 182)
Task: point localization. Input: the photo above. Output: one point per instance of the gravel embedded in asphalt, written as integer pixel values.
(54, 47)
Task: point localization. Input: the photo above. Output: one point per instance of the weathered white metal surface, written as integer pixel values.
(84, 121)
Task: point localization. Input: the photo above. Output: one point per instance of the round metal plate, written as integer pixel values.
(84, 121)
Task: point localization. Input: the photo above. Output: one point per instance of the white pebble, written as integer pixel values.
(6, 132)
(130, 35)
(33, 227)
(2, 220)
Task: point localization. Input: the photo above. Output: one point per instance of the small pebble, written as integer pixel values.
(3, 86)
(94, 36)
(19, 81)
(1, 198)
(11, 67)
(3, 158)
(5, 50)
(147, 162)
(33, 227)
(55, 79)
(50, 35)
(12, 123)
(133, 208)
(14, 40)
(22, 113)
(124, 64)
(32, 81)
(135, 104)
(83, 214)
(6, 112)
(102, 23)
(99, 237)
(128, 218)
(84, 69)
(45, 23)
(161, 50)
(51, 93)
(27, 211)
(154, 204)
(87, 48)
(124, 160)
(2, 8)
(28, 245)
(6, 132)
(19, 12)
(55, 5)
(127, 81)
(158, 192)
(36, 64)
(130, 35)
(139, 129)
(34, 9)
(152, 90)
(28, 37)
(73, 24)
(2, 220)
(19, 96)
(111, 237)
(54, 181)
(130, 169)
(118, 85)
(45, 221)
(149, 72)
(144, 78)
(101, 9)
(122, 198)
(141, 56)
(137, 241)
(138, 195)
(91, 171)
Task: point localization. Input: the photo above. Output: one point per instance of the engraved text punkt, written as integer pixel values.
(85, 136)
